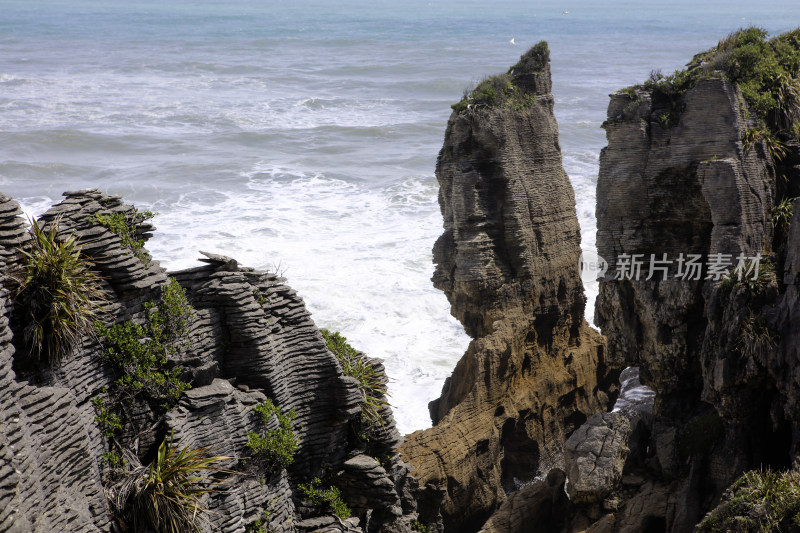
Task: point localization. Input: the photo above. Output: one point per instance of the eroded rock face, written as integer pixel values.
(723, 405)
(250, 338)
(508, 263)
(688, 189)
(595, 456)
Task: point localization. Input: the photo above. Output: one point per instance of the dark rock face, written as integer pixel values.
(724, 404)
(541, 507)
(508, 263)
(250, 338)
(690, 189)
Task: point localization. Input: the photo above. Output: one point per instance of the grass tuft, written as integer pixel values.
(758, 502)
(56, 294)
(371, 384)
(165, 495)
(755, 338)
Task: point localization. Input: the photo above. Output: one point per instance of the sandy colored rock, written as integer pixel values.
(508, 263)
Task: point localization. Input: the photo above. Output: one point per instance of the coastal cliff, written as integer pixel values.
(245, 338)
(703, 163)
(702, 169)
(508, 262)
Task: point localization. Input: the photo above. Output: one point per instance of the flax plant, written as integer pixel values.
(165, 496)
(56, 294)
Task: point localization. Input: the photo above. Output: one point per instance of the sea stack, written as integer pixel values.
(508, 261)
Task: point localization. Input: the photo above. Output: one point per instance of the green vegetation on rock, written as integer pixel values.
(273, 448)
(755, 338)
(141, 352)
(534, 60)
(758, 502)
(330, 497)
(416, 525)
(500, 91)
(370, 383)
(125, 225)
(57, 296)
(165, 495)
(259, 525)
(767, 71)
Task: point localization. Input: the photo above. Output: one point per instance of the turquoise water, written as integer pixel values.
(303, 136)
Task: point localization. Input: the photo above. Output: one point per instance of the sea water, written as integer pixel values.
(301, 136)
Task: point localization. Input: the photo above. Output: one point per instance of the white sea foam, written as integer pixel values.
(359, 256)
(307, 137)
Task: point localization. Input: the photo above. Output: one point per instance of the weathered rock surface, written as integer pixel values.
(722, 357)
(50, 448)
(508, 263)
(689, 189)
(595, 455)
(250, 338)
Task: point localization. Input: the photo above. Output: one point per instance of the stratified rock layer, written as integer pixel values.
(508, 263)
(250, 338)
(689, 189)
(724, 402)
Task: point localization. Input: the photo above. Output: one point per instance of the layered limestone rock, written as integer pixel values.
(690, 189)
(249, 338)
(508, 263)
(685, 175)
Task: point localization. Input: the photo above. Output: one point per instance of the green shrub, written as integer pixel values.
(495, 92)
(125, 225)
(370, 382)
(782, 215)
(330, 497)
(767, 71)
(534, 60)
(273, 447)
(755, 338)
(141, 352)
(416, 525)
(57, 296)
(759, 501)
(165, 495)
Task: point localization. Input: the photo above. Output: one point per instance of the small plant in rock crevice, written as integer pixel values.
(755, 338)
(273, 448)
(260, 525)
(781, 215)
(330, 498)
(371, 384)
(165, 496)
(416, 525)
(57, 295)
(125, 225)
